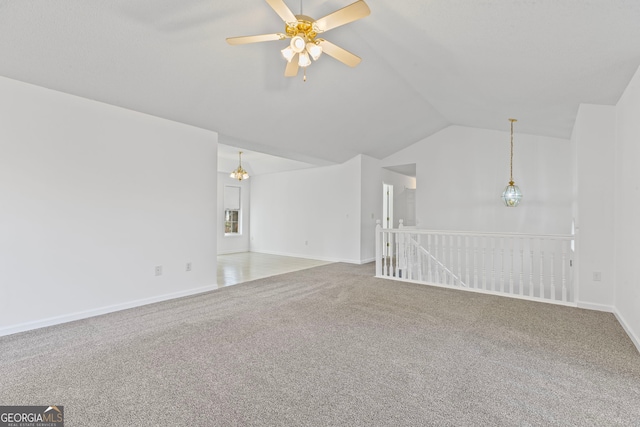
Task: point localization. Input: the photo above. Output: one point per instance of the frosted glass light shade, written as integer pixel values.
(314, 50)
(288, 53)
(511, 195)
(303, 59)
(239, 174)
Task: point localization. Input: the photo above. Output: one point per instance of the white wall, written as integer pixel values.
(238, 243)
(627, 209)
(371, 206)
(93, 197)
(313, 213)
(461, 173)
(594, 139)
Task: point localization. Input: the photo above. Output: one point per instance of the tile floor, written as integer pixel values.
(245, 266)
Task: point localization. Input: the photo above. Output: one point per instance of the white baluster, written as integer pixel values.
(541, 272)
(417, 272)
(449, 265)
(522, 267)
(531, 267)
(378, 249)
(458, 244)
(552, 275)
(484, 263)
(501, 264)
(396, 255)
(475, 262)
(493, 264)
(466, 259)
(429, 251)
(564, 272)
(511, 266)
(386, 258)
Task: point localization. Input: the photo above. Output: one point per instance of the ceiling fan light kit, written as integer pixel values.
(303, 30)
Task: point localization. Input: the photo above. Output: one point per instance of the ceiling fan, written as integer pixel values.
(303, 32)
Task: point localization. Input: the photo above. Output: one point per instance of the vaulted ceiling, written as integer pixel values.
(426, 64)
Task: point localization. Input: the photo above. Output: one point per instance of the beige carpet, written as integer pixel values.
(330, 346)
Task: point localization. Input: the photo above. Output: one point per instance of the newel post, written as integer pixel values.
(378, 249)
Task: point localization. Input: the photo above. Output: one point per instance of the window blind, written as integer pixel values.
(231, 197)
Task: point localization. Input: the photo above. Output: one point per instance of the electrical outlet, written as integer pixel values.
(188, 267)
(158, 270)
(597, 276)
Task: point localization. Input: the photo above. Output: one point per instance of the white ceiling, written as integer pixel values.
(426, 64)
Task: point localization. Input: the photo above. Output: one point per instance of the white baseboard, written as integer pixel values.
(317, 258)
(51, 321)
(232, 252)
(627, 329)
(596, 307)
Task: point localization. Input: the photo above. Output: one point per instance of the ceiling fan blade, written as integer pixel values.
(347, 14)
(339, 53)
(292, 67)
(282, 10)
(255, 39)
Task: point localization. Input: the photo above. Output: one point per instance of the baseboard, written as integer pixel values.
(627, 329)
(51, 321)
(317, 258)
(596, 307)
(232, 252)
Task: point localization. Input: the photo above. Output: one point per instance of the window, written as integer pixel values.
(232, 210)
(231, 221)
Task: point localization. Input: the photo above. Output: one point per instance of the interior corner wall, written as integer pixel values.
(228, 244)
(627, 209)
(594, 139)
(312, 213)
(93, 198)
(401, 185)
(371, 206)
(462, 171)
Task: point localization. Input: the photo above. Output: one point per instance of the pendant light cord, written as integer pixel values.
(511, 160)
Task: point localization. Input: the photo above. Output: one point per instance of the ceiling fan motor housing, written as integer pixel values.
(303, 28)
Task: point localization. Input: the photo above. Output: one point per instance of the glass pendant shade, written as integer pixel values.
(303, 59)
(511, 195)
(239, 174)
(288, 53)
(314, 50)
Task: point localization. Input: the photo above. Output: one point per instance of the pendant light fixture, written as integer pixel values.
(239, 173)
(511, 194)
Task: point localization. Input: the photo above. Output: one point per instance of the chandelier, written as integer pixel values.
(511, 194)
(239, 173)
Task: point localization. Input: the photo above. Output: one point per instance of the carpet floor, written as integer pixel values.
(330, 346)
